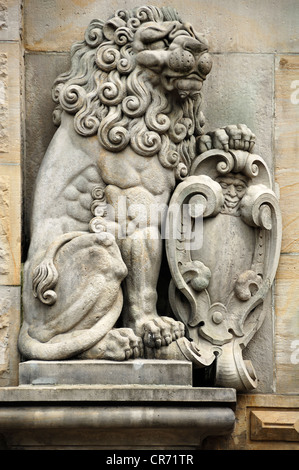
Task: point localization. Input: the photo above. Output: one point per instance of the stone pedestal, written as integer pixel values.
(126, 414)
(138, 371)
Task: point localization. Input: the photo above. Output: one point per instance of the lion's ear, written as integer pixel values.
(111, 26)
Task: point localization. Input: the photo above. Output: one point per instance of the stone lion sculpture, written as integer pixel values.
(130, 125)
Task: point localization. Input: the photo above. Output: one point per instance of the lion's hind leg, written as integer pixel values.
(75, 299)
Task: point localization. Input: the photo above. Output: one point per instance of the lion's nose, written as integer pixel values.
(181, 61)
(204, 64)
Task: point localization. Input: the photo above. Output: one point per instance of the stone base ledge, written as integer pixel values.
(109, 417)
(110, 405)
(85, 428)
(120, 394)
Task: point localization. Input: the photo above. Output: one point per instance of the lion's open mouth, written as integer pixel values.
(189, 87)
(185, 86)
(189, 83)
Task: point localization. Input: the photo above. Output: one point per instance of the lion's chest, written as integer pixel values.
(127, 170)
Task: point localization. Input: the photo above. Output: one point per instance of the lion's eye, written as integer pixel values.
(183, 94)
(158, 45)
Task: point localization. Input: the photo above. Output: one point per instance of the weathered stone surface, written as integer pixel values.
(274, 425)
(281, 412)
(3, 104)
(112, 427)
(287, 324)
(40, 73)
(249, 26)
(10, 109)
(10, 20)
(3, 15)
(10, 189)
(229, 98)
(287, 173)
(260, 350)
(286, 146)
(9, 330)
(10, 225)
(4, 225)
(138, 371)
(118, 393)
(232, 26)
(119, 416)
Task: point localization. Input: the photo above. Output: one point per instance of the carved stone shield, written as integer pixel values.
(223, 246)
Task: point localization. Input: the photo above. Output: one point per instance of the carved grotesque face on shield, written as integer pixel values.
(233, 187)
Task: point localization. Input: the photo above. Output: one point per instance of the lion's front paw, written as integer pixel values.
(119, 344)
(161, 331)
(235, 137)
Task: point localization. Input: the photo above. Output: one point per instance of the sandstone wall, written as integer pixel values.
(10, 187)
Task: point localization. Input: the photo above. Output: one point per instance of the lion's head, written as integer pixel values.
(136, 80)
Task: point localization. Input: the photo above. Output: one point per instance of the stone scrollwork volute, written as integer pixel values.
(223, 268)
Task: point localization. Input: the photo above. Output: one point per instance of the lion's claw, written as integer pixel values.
(234, 137)
(161, 331)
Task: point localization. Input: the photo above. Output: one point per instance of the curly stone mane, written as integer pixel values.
(110, 94)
